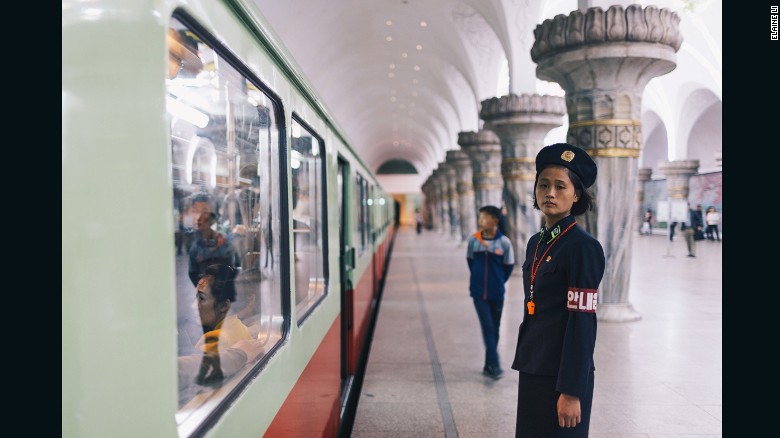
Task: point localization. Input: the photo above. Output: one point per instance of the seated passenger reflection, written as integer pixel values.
(226, 344)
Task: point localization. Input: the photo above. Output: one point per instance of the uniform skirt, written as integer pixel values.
(537, 409)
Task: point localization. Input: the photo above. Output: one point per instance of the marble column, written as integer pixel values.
(429, 203)
(442, 190)
(521, 122)
(484, 150)
(643, 175)
(437, 221)
(468, 210)
(678, 176)
(453, 173)
(449, 176)
(603, 60)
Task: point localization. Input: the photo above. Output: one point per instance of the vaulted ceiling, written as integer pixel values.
(404, 77)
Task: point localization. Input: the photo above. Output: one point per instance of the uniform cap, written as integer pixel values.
(571, 157)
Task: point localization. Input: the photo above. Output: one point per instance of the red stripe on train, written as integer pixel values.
(312, 407)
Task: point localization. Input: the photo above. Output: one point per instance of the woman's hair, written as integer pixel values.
(585, 201)
(223, 285)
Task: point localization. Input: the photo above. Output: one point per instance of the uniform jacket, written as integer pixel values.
(491, 263)
(559, 338)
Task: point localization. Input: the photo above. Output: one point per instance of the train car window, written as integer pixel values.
(371, 213)
(308, 216)
(359, 206)
(366, 207)
(225, 148)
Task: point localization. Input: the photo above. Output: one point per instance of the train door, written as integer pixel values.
(346, 265)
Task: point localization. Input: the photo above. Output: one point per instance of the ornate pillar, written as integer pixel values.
(604, 60)
(437, 220)
(429, 204)
(484, 150)
(449, 177)
(454, 177)
(643, 175)
(521, 123)
(442, 190)
(678, 175)
(468, 211)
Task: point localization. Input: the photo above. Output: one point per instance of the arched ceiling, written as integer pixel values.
(403, 77)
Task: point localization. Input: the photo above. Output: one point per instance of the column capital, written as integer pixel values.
(604, 60)
(679, 167)
(523, 107)
(596, 27)
(471, 138)
(480, 146)
(455, 156)
(678, 174)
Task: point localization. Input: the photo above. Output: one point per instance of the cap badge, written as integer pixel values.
(567, 155)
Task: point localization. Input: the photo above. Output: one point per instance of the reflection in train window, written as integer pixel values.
(225, 169)
(308, 217)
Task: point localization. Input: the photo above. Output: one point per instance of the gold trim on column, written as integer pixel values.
(489, 186)
(487, 175)
(518, 159)
(614, 152)
(609, 122)
(522, 177)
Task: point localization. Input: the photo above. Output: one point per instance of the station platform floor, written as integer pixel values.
(658, 377)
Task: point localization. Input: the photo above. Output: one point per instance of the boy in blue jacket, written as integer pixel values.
(491, 260)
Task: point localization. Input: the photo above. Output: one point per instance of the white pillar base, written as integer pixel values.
(622, 312)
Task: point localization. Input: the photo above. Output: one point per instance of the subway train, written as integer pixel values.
(223, 246)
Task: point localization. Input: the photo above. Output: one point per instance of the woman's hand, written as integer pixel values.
(568, 410)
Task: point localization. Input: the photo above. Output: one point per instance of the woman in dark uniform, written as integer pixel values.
(561, 275)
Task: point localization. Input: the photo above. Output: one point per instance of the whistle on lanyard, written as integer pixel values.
(531, 306)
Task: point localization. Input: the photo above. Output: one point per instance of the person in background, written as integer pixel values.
(563, 268)
(690, 227)
(647, 224)
(491, 260)
(712, 219)
(210, 247)
(418, 219)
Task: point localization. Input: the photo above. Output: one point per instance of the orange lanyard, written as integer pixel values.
(535, 269)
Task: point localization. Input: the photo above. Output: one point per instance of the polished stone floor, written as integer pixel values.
(659, 377)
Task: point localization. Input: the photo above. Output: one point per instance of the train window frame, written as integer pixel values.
(323, 217)
(200, 422)
(360, 212)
